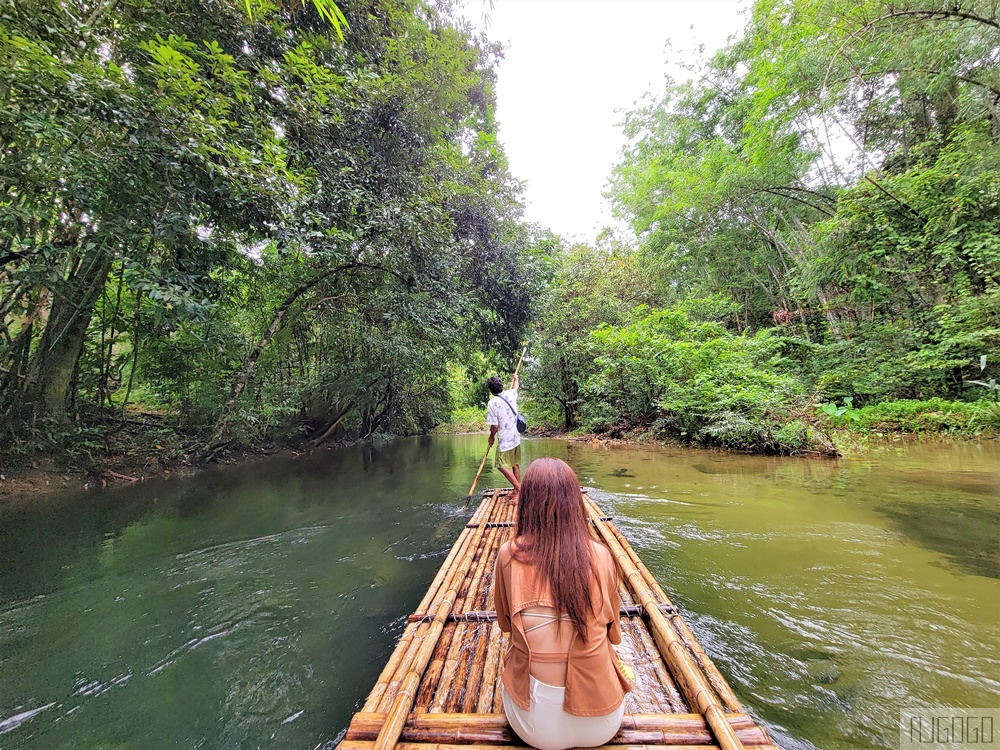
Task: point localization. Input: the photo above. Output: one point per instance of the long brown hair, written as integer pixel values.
(553, 536)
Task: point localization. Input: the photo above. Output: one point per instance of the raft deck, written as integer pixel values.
(440, 689)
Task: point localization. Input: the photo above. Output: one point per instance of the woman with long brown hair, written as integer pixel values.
(556, 593)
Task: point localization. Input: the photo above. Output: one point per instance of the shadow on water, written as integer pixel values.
(968, 535)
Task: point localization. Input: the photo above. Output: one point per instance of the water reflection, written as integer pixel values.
(255, 606)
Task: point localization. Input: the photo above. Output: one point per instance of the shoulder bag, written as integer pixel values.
(522, 425)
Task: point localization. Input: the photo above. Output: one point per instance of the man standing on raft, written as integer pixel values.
(501, 416)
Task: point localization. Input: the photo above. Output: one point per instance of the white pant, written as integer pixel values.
(547, 727)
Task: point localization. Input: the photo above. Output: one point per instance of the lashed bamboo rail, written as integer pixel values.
(490, 615)
(466, 729)
(361, 745)
(725, 692)
(695, 685)
(440, 689)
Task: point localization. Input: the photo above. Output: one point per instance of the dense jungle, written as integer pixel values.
(228, 224)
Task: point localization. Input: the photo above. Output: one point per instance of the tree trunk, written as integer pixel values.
(336, 423)
(571, 391)
(831, 316)
(277, 322)
(50, 372)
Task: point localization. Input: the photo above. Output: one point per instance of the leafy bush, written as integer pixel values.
(797, 436)
(932, 415)
(692, 380)
(463, 419)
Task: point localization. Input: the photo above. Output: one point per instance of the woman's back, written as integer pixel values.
(549, 633)
(555, 590)
(554, 651)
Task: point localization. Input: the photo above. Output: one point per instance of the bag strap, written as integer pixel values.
(508, 404)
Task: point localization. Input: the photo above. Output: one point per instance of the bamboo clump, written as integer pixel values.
(440, 689)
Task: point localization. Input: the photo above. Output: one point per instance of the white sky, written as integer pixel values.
(569, 65)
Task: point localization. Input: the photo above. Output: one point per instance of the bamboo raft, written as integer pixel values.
(440, 689)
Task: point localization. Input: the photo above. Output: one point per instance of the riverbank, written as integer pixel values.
(141, 451)
(135, 453)
(824, 430)
(844, 442)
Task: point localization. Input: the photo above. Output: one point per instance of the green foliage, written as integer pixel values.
(840, 414)
(691, 380)
(463, 419)
(327, 10)
(835, 173)
(931, 415)
(282, 215)
(590, 286)
(798, 436)
(258, 217)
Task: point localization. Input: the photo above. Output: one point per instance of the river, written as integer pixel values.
(254, 606)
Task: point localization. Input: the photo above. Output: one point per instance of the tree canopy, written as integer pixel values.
(826, 188)
(244, 214)
(264, 216)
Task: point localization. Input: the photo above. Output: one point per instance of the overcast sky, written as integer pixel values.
(570, 67)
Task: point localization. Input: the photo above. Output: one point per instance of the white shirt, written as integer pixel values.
(501, 415)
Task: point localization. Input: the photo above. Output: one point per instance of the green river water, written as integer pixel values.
(255, 606)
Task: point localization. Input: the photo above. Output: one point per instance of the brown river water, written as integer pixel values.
(254, 606)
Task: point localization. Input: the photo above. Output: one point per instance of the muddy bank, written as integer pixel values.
(128, 459)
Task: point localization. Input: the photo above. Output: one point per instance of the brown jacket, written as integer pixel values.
(595, 685)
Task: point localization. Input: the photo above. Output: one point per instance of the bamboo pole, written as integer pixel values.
(497, 691)
(509, 514)
(460, 674)
(482, 586)
(475, 481)
(675, 700)
(697, 690)
(470, 728)
(475, 685)
(408, 644)
(484, 570)
(729, 699)
(490, 615)
(491, 670)
(449, 671)
(362, 745)
(650, 673)
(519, 361)
(405, 694)
(512, 523)
(488, 681)
(364, 722)
(432, 694)
(429, 684)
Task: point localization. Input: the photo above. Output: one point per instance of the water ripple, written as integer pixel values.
(17, 720)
